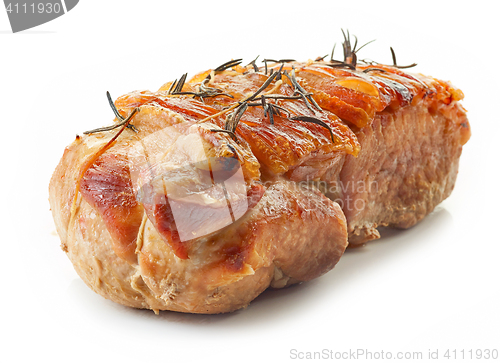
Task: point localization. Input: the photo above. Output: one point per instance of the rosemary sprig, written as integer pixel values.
(113, 107)
(169, 92)
(282, 61)
(254, 65)
(317, 121)
(298, 90)
(263, 87)
(364, 45)
(333, 51)
(350, 53)
(235, 111)
(232, 134)
(204, 90)
(271, 109)
(179, 86)
(350, 57)
(227, 65)
(281, 97)
(371, 69)
(108, 128)
(118, 116)
(395, 64)
(279, 61)
(233, 118)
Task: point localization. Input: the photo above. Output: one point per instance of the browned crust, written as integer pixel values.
(400, 135)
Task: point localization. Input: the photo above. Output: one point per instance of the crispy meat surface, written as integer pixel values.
(244, 178)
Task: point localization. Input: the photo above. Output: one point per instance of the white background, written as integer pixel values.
(435, 286)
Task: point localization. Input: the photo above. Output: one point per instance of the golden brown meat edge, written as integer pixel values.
(293, 234)
(408, 164)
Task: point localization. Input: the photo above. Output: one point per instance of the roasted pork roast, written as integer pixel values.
(207, 192)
